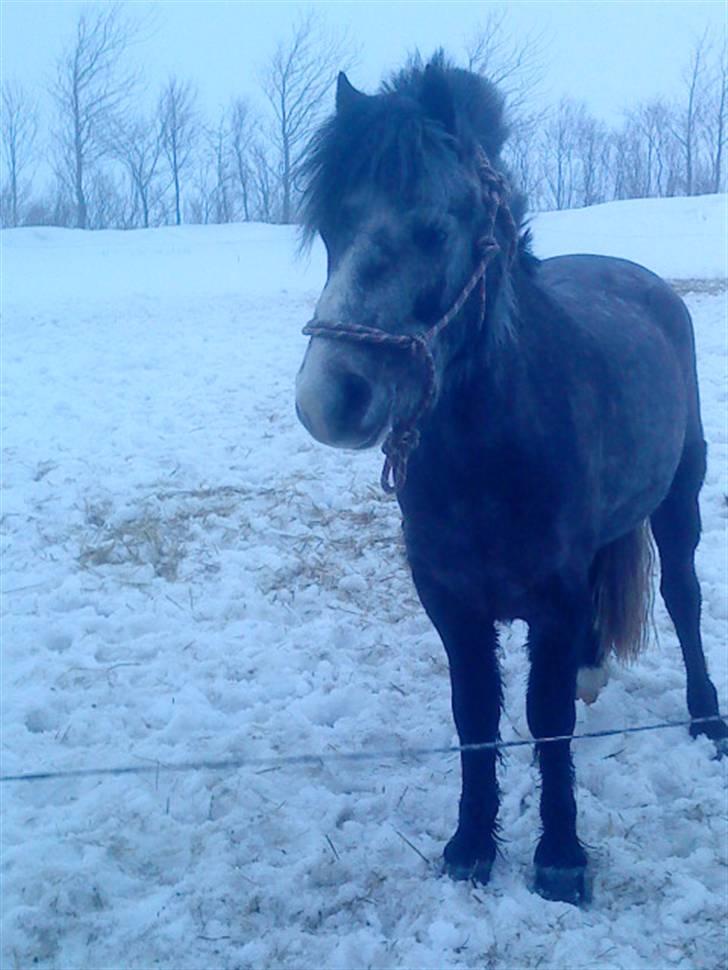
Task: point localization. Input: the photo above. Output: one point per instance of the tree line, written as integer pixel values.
(115, 165)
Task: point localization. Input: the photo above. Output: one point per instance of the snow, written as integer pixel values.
(187, 575)
(681, 238)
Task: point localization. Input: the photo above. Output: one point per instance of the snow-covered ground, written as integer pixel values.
(187, 575)
(677, 238)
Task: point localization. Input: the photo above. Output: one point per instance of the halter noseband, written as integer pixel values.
(404, 436)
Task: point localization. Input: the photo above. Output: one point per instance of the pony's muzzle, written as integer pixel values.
(337, 399)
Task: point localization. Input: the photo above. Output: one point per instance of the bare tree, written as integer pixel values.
(651, 149)
(688, 116)
(522, 157)
(178, 118)
(200, 202)
(19, 130)
(649, 121)
(91, 91)
(219, 144)
(557, 152)
(627, 162)
(266, 184)
(137, 145)
(514, 63)
(53, 208)
(242, 138)
(296, 82)
(108, 202)
(574, 148)
(715, 120)
(591, 151)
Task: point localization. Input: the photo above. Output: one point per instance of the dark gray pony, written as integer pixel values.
(537, 418)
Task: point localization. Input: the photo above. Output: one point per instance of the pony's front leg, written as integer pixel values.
(560, 860)
(470, 641)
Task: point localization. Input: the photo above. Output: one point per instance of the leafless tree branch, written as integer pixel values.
(296, 82)
(515, 63)
(19, 131)
(179, 127)
(92, 91)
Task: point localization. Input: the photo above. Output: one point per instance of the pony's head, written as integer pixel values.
(395, 189)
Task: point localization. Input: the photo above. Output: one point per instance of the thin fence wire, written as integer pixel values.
(393, 754)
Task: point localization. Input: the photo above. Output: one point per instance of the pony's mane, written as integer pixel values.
(479, 105)
(394, 139)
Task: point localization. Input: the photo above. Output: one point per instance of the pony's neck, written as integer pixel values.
(487, 349)
(481, 380)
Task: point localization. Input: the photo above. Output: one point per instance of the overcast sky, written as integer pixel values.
(607, 52)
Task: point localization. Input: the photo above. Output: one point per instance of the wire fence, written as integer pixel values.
(393, 754)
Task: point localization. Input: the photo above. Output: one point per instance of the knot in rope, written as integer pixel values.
(398, 446)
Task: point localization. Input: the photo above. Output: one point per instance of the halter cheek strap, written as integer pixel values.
(404, 436)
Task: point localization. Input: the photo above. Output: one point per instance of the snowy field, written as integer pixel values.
(187, 575)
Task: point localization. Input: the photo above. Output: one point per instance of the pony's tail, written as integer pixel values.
(622, 590)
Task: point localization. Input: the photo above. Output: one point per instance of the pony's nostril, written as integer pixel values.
(356, 396)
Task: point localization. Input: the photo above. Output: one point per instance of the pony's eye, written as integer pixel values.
(429, 237)
(372, 270)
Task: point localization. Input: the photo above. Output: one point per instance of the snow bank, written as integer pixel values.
(683, 238)
(676, 238)
(170, 263)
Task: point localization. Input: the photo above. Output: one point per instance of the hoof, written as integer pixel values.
(717, 731)
(721, 748)
(589, 682)
(465, 859)
(478, 871)
(563, 885)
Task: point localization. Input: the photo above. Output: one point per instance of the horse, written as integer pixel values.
(539, 419)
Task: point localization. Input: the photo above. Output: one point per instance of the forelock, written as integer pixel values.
(384, 142)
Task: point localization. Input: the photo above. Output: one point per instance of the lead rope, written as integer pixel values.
(404, 436)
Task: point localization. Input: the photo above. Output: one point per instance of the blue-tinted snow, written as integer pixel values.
(188, 575)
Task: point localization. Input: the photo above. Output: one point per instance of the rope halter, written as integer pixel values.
(404, 436)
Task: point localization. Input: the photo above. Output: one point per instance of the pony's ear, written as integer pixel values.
(436, 98)
(346, 95)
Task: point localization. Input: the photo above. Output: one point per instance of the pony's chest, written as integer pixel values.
(486, 551)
